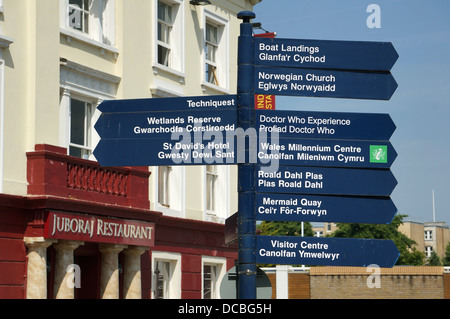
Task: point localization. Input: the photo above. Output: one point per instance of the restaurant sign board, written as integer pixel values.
(100, 229)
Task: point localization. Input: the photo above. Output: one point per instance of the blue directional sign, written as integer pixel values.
(314, 208)
(327, 153)
(150, 124)
(325, 54)
(324, 83)
(189, 103)
(325, 251)
(166, 131)
(326, 125)
(318, 180)
(163, 151)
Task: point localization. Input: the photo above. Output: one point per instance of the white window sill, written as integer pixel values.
(206, 85)
(168, 211)
(211, 216)
(159, 67)
(103, 48)
(5, 42)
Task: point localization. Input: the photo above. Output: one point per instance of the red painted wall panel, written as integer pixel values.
(191, 295)
(191, 282)
(12, 250)
(191, 263)
(12, 273)
(12, 292)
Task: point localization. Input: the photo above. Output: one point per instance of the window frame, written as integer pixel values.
(211, 57)
(164, 27)
(211, 188)
(103, 35)
(89, 110)
(222, 182)
(220, 265)
(221, 62)
(174, 284)
(83, 13)
(164, 172)
(177, 39)
(428, 251)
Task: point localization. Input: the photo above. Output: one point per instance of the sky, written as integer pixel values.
(420, 108)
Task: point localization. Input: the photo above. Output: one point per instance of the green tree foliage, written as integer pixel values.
(446, 258)
(406, 246)
(434, 260)
(269, 228)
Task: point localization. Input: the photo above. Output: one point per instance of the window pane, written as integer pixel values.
(79, 11)
(163, 55)
(164, 12)
(76, 152)
(210, 52)
(80, 128)
(162, 277)
(207, 285)
(78, 3)
(211, 33)
(77, 122)
(164, 33)
(163, 185)
(211, 76)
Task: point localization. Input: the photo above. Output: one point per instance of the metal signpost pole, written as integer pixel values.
(246, 219)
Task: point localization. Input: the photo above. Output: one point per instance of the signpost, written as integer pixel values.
(326, 125)
(324, 83)
(325, 54)
(324, 166)
(328, 153)
(317, 180)
(292, 250)
(319, 208)
(335, 69)
(166, 131)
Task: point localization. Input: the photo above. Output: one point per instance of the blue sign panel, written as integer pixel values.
(144, 125)
(319, 180)
(163, 151)
(325, 251)
(324, 83)
(325, 54)
(313, 208)
(326, 125)
(189, 103)
(327, 153)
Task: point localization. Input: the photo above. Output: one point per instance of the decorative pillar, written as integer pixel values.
(37, 266)
(109, 281)
(64, 258)
(132, 272)
(64, 119)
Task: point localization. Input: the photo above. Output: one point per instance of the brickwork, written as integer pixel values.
(395, 283)
(299, 286)
(354, 283)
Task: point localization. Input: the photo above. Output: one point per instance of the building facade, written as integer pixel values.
(430, 236)
(70, 228)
